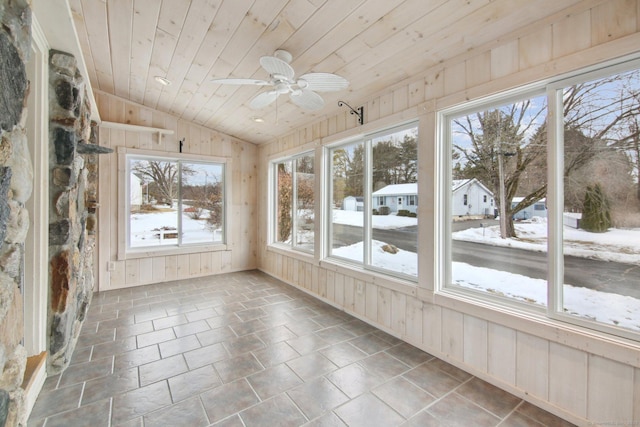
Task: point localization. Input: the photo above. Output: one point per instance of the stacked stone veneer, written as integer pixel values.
(72, 193)
(16, 184)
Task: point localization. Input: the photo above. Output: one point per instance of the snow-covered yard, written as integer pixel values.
(145, 229)
(615, 245)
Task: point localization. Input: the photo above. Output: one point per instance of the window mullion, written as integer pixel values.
(555, 202)
(366, 205)
(179, 164)
(294, 202)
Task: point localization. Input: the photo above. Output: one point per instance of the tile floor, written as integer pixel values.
(244, 349)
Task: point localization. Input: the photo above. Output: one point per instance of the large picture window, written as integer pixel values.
(372, 206)
(565, 183)
(295, 202)
(173, 202)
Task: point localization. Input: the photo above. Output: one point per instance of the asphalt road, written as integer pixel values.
(623, 279)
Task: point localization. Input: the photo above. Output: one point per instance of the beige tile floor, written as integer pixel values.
(244, 349)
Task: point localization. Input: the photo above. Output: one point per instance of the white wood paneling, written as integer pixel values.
(157, 267)
(568, 378)
(610, 391)
(566, 372)
(532, 365)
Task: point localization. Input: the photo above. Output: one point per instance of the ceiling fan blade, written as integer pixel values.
(240, 82)
(276, 66)
(263, 99)
(323, 82)
(308, 99)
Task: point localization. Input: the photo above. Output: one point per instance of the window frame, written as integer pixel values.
(123, 202)
(552, 89)
(273, 202)
(327, 237)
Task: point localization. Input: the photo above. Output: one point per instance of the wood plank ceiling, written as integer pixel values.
(372, 43)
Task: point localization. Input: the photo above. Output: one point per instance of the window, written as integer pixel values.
(412, 200)
(295, 202)
(484, 198)
(567, 210)
(600, 148)
(174, 202)
(365, 171)
(465, 199)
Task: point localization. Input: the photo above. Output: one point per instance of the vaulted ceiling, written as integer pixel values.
(372, 43)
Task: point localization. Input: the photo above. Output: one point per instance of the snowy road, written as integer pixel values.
(613, 277)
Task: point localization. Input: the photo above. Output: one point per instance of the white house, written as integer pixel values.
(135, 191)
(351, 203)
(471, 198)
(539, 208)
(397, 197)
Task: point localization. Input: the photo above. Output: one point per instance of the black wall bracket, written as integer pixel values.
(357, 112)
(181, 144)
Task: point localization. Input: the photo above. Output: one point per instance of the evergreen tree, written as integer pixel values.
(596, 216)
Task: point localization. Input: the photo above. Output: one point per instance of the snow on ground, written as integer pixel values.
(615, 245)
(384, 222)
(587, 303)
(193, 231)
(402, 261)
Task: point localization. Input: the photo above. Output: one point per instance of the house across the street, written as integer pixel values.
(397, 197)
(471, 198)
(538, 208)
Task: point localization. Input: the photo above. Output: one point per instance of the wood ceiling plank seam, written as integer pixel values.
(517, 32)
(83, 38)
(199, 18)
(250, 63)
(145, 21)
(172, 16)
(412, 66)
(416, 69)
(120, 17)
(231, 15)
(443, 16)
(164, 45)
(356, 22)
(248, 66)
(398, 19)
(95, 17)
(322, 21)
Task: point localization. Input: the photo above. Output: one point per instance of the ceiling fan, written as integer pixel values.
(301, 90)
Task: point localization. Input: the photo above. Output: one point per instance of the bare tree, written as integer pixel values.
(599, 119)
(162, 178)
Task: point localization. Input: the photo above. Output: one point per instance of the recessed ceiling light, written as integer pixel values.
(163, 80)
(257, 119)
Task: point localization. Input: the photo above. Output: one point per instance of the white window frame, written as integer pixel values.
(365, 139)
(552, 88)
(124, 250)
(273, 202)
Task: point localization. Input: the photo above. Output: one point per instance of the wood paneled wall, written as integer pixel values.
(585, 378)
(240, 253)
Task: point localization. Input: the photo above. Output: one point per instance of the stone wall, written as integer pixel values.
(72, 190)
(16, 184)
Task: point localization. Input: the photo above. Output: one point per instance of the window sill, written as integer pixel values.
(380, 279)
(293, 253)
(538, 324)
(173, 250)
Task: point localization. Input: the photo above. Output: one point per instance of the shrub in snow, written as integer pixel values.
(596, 216)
